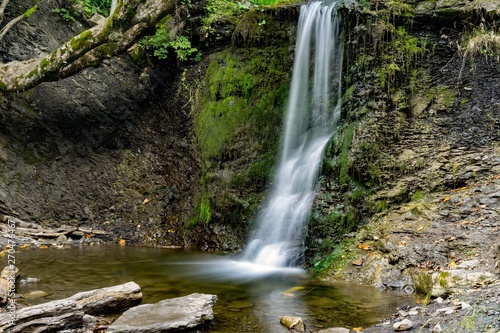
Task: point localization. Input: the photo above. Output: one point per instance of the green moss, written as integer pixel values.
(30, 12)
(418, 195)
(422, 281)
(443, 279)
(203, 213)
(243, 93)
(334, 261)
(257, 174)
(44, 63)
(444, 97)
(78, 41)
(344, 154)
(380, 206)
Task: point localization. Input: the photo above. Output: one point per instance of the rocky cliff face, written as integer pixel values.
(421, 125)
(111, 147)
(156, 152)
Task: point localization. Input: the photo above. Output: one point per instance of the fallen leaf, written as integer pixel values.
(357, 329)
(122, 242)
(43, 247)
(452, 264)
(364, 247)
(146, 201)
(23, 246)
(446, 199)
(358, 262)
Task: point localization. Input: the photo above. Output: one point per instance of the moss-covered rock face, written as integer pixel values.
(414, 103)
(238, 113)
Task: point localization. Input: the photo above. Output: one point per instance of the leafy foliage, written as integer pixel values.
(90, 7)
(204, 213)
(161, 42)
(65, 14)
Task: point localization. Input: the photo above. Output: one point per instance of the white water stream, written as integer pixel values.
(312, 115)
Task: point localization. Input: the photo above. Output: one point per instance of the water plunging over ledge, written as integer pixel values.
(312, 115)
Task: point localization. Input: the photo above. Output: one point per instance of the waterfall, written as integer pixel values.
(313, 112)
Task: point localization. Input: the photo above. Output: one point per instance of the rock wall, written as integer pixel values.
(421, 123)
(156, 152)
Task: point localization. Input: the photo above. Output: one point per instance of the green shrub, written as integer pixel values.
(161, 43)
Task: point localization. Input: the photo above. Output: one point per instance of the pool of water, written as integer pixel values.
(251, 299)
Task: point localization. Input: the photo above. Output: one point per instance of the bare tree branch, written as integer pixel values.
(119, 31)
(9, 25)
(3, 5)
(114, 3)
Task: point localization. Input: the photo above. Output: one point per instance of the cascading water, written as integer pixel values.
(312, 116)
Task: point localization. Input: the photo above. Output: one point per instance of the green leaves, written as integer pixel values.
(161, 42)
(90, 7)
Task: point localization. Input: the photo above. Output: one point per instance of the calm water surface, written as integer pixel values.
(250, 300)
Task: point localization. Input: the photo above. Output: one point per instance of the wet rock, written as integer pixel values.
(293, 323)
(29, 280)
(6, 277)
(335, 330)
(62, 239)
(469, 264)
(36, 294)
(446, 281)
(403, 325)
(414, 311)
(175, 314)
(89, 321)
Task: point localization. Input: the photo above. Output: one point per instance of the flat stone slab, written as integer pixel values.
(169, 315)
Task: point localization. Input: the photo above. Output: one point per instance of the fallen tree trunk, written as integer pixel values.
(68, 312)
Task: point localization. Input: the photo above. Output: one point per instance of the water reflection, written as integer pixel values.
(251, 298)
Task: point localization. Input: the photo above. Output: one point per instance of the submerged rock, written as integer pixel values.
(167, 316)
(335, 330)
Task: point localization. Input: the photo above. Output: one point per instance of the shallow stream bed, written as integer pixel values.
(250, 299)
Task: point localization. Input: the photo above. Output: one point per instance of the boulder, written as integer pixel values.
(8, 276)
(169, 315)
(448, 281)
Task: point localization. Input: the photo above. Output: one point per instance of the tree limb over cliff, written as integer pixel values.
(110, 36)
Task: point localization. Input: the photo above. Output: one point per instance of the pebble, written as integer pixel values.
(403, 325)
(89, 321)
(403, 313)
(413, 312)
(437, 328)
